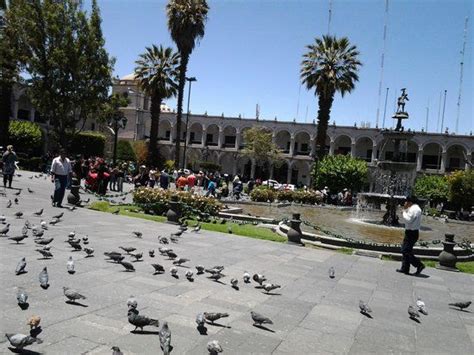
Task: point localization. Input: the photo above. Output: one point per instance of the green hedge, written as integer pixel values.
(31, 164)
(125, 151)
(26, 137)
(157, 200)
(432, 187)
(87, 143)
(266, 194)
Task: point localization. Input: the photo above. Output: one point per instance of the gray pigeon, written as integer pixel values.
(200, 269)
(364, 308)
(174, 271)
(200, 320)
(44, 278)
(72, 295)
(18, 214)
(44, 241)
(5, 230)
(159, 269)
(22, 298)
(38, 233)
(171, 255)
(259, 319)
(259, 278)
(332, 272)
(151, 253)
(213, 316)
(137, 256)
(128, 250)
(138, 234)
(216, 276)
(246, 277)
(128, 266)
(214, 347)
(54, 221)
(413, 313)
(18, 238)
(141, 321)
(461, 305)
(46, 253)
(189, 275)
(270, 287)
(180, 261)
(20, 341)
(9, 203)
(165, 338)
(234, 283)
(38, 213)
(89, 252)
(59, 216)
(164, 251)
(20, 268)
(116, 350)
(70, 266)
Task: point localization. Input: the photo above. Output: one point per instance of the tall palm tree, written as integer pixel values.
(157, 74)
(186, 22)
(330, 65)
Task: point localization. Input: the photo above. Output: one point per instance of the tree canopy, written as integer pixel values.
(259, 146)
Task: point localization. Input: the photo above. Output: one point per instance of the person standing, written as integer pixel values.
(9, 160)
(164, 180)
(60, 171)
(412, 216)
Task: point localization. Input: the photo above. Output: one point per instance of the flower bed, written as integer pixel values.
(265, 194)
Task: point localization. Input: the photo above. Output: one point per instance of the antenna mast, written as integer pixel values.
(461, 74)
(330, 17)
(382, 62)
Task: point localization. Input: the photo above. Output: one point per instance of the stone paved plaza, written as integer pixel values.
(312, 314)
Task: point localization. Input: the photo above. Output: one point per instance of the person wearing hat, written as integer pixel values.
(141, 179)
(412, 216)
(9, 160)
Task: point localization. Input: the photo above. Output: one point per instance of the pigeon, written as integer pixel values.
(171, 255)
(30, 190)
(59, 216)
(70, 266)
(259, 278)
(200, 269)
(138, 234)
(421, 306)
(164, 251)
(332, 272)
(151, 252)
(174, 271)
(177, 234)
(22, 298)
(173, 239)
(246, 277)
(180, 261)
(116, 257)
(20, 268)
(200, 320)
(18, 214)
(165, 338)
(38, 213)
(116, 350)
(72, 208)
(44, 225)
(112, 253)
(20, 341)
(215, 270)
(364, 308)
(128, 250)
(132, 302)
(234, 283)
(413, 312)
(163, 240)
(17, 193)
(46, 253)
(141, 321)
(44, 278)
(44, 241)
(189, 275)
(5, 230)
(128, 266)
(197, 228)
(46, 247)
(3, 219)
(85, 239)
(461, 305)
(137, 256)
(24, 230)
(159, 269)
(89, 252)
(214, 347)
(18, 238)
(72, 295)
(9, 203)
(54, 221)
(71, 235)
(38, 233)
(216, 276)
(212, 317)
(259, 319)
(33, 322)
(75, 244)
(268, 287)
(116, 212)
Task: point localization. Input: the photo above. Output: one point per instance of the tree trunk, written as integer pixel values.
(325, 104)
(5, 112)
(182, 81)
(152, 159)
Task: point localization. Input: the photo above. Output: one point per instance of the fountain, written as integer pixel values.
(392, 179)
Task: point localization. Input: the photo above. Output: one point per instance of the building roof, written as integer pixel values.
(130, 77)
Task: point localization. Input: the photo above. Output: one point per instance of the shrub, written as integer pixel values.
(32, 164)
(125, 151)
(156, 200)
(263, 194)
(87, 143)
(339, 172)
(141, 151)
(209, 166)
(309, 197)
(284, 195)
(169, 165)
(26, 137)
(432, 187)
(461, 189)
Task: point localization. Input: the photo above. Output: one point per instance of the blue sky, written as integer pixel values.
(252, 50)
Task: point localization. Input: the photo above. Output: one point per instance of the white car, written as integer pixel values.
(272, 183)
(289, 187)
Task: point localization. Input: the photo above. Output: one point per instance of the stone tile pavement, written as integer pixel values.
(312, 314)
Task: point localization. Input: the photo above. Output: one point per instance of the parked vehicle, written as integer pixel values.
(272, 183)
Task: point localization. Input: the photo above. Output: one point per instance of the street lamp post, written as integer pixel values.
(137, 112)
(190, 80)
(115, 123)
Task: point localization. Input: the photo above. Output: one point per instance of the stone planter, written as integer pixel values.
(447, 259)
(294, 234)
(73, 197)
(173, 213)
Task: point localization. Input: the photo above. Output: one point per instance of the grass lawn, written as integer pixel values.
(246, 230)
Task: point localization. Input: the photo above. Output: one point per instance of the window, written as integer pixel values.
(304, 147)
(92, 126)
(229, 141)
(167, 134)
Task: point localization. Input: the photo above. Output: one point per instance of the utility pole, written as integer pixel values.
(444, 108)
(382, 59)
(385, 109)
(329, 16)
(427, 116)
(461, 75)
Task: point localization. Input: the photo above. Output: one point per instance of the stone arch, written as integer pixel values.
(227, 163)
(283, 140)
(165, 152)
(244, 167)
(363, 148)
(195, 133)
(432, 155)
(165, 129)
(230, 136)
(456, 157)
(342, 144)
(212, 135)
(300, 173)
(302, 143)
(280, 171)
(193, 159)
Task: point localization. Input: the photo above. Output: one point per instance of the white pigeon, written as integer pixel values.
(421, 306)
(70, 266)
(132, 303)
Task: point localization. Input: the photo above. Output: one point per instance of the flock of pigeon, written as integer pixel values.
(43, 246)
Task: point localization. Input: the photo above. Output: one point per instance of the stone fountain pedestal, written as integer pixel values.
(73, 197)
(447, 258)
(173, 213)
(294, 234)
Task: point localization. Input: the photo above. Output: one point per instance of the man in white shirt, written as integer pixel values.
(412, 216)
(60, 171)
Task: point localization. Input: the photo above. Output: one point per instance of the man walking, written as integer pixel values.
(60, 171)
(412, 217)
(9, 160)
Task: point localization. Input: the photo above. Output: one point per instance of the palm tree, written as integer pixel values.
(157, 74)
(186, 22)
(330, 65)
